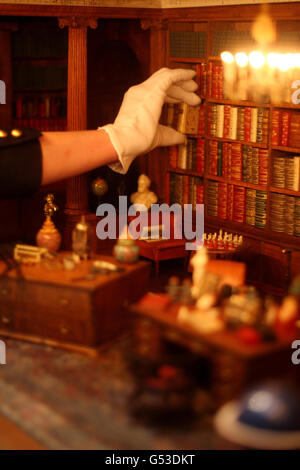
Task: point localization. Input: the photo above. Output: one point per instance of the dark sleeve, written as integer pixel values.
(20, 162)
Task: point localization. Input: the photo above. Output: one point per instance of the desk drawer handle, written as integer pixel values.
(6, 320)
(64, 330)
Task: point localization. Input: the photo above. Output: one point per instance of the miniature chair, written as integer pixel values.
(230, 272)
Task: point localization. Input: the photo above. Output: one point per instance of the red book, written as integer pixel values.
(173, 156)
(275, 127)
(199, 194)
(285, 128)
(215, 81)
(239, 204)
(198, 77)
(220, 82)
(203, 83)
(222, 200)
(213, 158)
(200, 156)
(209, 79)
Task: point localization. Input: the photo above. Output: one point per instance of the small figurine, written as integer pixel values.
(81, 239)
(48, 236)
(144, 195)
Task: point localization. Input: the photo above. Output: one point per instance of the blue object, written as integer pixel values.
(271, 406)
(267, 416)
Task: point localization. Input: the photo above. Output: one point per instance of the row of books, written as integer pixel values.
(285, 214)
(236, 203)
(286, 171)
(186, 119)
(27, 77)
(186, 189)
(39, 44)
(238, 162)
(238, 123)
(285, 128)
(51, 124)
(40, 107)
(189, 156)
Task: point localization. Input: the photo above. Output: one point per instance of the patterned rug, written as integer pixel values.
(69, 401)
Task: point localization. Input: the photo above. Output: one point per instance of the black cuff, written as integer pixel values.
(20, 162)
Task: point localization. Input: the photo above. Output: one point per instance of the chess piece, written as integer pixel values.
(144, 195)
(48, 236)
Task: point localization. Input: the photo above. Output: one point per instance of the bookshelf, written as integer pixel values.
(250, 175)
(39, 69)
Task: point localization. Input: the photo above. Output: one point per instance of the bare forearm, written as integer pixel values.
(67, 154)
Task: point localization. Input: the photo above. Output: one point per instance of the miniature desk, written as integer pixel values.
(234, 365)
(48, 306)
(159, 250)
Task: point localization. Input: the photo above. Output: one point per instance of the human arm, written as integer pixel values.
(31, 159)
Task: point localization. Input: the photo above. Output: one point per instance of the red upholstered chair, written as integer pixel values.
(230, 272)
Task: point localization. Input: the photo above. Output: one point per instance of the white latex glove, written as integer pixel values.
(136, 129)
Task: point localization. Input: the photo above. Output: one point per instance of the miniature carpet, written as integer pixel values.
(69, 401)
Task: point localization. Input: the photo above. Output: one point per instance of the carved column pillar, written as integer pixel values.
(77, 191)
(158, 159)
(77, 187)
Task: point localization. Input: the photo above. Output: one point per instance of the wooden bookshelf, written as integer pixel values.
(39, 63)
(265, 241)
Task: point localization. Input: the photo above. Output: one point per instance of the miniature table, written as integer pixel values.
(234, 365)
(159, 250)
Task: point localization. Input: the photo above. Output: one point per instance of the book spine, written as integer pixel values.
(253, 128)
(220, 121)
(233, 123)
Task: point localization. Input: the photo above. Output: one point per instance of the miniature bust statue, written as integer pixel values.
(143, 194)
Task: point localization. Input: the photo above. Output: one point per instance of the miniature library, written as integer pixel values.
(203, 324)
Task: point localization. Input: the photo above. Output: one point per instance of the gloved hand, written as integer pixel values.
(136, 129)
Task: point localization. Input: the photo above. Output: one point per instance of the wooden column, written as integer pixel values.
(77, 191)
(77, 187)
(157, 161)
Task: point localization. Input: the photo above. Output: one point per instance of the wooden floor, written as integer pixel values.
(13, 438)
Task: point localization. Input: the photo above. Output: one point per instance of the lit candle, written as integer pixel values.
(242, 61)
(229, 74)
(273, 82)
(258, 84)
